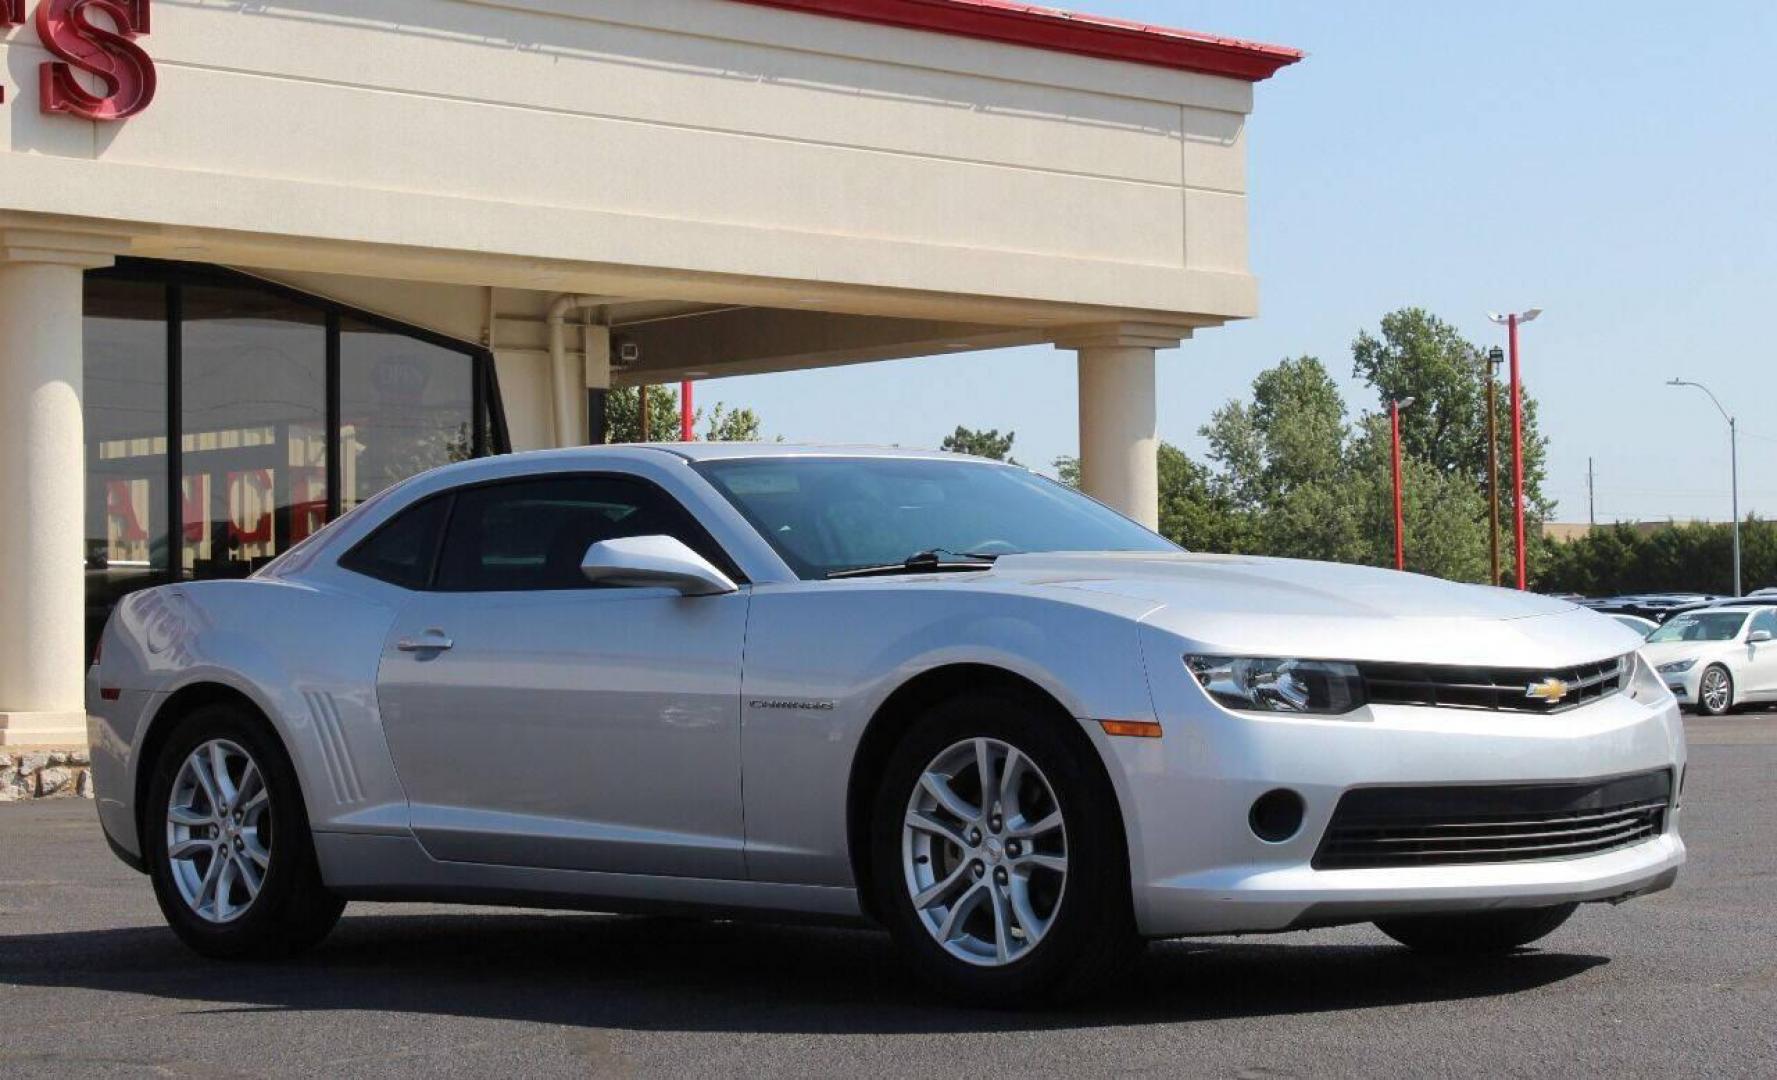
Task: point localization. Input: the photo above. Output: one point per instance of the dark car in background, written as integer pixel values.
(1655, 606)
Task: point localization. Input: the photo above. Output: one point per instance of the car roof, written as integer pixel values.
(730, 451)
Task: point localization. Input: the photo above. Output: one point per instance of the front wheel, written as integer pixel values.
(1715, 693)
(1478, 934)
(998, 856)
(228, 844)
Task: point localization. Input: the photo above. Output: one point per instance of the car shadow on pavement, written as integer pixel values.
(673, 975)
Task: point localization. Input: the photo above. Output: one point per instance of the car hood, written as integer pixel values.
(1237, 604)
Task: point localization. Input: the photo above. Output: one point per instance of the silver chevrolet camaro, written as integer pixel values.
(939, 694)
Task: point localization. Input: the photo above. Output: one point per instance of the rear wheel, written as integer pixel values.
(228, 841)
(1715, 693)
(998, 856)
(1478, 934)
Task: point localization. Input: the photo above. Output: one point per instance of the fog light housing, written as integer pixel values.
(1277, 815)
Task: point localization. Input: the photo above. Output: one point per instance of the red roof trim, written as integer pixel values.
(1060, 31)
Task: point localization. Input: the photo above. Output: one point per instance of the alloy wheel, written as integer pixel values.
(1716, 690)
(219, 831)
(984, 852)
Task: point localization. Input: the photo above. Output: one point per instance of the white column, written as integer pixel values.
(1118, 442)
(42, 484)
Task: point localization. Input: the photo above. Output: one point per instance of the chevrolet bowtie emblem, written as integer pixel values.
(1549, 690)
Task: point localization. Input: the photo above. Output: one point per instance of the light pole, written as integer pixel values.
(1510, 322)
(1400, 518)
(1734, 467)
(1495, 357)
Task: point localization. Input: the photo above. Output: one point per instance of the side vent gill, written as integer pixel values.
(341, 773)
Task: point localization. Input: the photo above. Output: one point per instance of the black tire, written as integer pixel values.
(1092, 937)
(293, 910)
(1482, 934)
(1702, 695)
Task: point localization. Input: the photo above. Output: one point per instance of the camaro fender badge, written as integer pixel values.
(800, 706)
(1551, 690)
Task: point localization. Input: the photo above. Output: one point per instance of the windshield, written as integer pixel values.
(831, 515)
(1701, 626)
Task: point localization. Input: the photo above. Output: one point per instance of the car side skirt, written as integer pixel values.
(397, 868)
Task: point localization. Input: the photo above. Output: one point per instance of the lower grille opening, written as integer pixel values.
(1442, 826)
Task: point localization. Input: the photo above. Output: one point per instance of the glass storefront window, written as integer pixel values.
(405, 406)
(267, 381)
(125, 401)
(254, 428)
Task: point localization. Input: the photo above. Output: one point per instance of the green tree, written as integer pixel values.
(987, 444)
(623, 423)
(1283, 473)
(623, 418)
(732, 425)
(1417, 355)
(1445, 516)
(1192, 514)
(1618, 559)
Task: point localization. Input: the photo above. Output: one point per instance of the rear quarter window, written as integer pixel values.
(404, 550)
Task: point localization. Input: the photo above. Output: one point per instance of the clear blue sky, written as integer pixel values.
(1612, 162)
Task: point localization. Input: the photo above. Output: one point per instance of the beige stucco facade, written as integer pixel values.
(734, 187)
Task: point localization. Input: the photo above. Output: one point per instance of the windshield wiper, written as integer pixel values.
(931, 561)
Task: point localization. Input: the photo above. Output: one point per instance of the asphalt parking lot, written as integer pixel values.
(1680, 984)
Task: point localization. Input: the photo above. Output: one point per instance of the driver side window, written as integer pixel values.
(1767, 621)
(529, 535)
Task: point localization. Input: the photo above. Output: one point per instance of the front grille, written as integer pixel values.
(1441, 826)
(1497, 689)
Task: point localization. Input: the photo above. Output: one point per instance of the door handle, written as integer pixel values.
(430, 641)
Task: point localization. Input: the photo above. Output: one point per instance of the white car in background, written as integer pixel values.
(1717, 658)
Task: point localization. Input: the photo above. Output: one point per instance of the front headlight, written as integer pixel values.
(1677, 667)
(1259, 684)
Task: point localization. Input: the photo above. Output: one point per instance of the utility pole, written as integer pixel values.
(1734, 469)
(642, 404)
(1495, 357)
(1511, 322)
(1591, 494)
(1400, 519)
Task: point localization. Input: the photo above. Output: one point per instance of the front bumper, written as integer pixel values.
(1198, 868)
(1685, 685)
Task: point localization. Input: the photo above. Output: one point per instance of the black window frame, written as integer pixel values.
(707, 546)
(489, 434)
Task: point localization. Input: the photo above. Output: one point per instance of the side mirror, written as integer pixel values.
(1758, 637)
(638, 562)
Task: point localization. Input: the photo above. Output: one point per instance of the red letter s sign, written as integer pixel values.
(110, 56)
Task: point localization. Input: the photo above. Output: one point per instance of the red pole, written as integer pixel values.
(1400, 523)
(1518, 455)
(685, 416)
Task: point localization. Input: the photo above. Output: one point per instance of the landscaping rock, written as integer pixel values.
(52, 781)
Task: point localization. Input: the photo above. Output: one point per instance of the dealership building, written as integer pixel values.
(260, 260)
